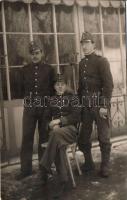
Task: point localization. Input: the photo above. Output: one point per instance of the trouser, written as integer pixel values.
(31, 117)
(56, 150)
(103, 129)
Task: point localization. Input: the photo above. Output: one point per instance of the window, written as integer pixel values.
(105, 25)
(110, 20)
(16, 17)
(42, 21)
(66, 39)
(64, 19)
(91, 19)
(57, 32)
(0, 20)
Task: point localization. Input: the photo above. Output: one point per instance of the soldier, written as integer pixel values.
(38, 82)
(63, 131)
(95, 90)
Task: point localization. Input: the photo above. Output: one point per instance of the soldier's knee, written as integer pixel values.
(86, 146)
(55, 133)
(105, 146)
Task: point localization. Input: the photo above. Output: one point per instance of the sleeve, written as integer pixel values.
(48, 114)
(52, 80)
(107, 82)
(48, 110)
(74, 115)
(22, 87)
(80, 82)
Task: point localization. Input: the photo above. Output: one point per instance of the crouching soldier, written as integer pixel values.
(63, 131)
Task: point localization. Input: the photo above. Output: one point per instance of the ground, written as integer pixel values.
(89, 186)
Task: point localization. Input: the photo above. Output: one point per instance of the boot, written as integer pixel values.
(23, 175)
(59, 191)
(105, 163)
(104, 170)
(89, 164)
(44, 175)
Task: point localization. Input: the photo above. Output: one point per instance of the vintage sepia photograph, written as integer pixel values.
(63, 99)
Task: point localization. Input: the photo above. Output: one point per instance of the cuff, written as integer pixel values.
(63, 121)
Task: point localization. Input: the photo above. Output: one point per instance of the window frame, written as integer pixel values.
(78, 29)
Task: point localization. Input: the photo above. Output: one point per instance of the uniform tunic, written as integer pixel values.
(62, 136)
(95, 90)
(37, 82)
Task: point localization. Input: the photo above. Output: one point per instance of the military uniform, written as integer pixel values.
(62, 136)
(95, 90)
(37, 82)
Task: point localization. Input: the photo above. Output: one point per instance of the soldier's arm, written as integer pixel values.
(22, 88)
(107, 81)
(80, 82)
(52, 80)
(75, 113)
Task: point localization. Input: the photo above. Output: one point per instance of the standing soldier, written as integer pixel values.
(38, 82)
(95, 90)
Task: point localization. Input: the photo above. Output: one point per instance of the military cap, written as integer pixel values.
(33, 46)
(86, 36)
(60, 78)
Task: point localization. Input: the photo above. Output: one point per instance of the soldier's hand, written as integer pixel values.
(56, 127)
(103, 113)
(53, 123)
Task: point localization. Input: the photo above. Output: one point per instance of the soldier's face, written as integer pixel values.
(88, 46)
(36, 56)
(60, 87)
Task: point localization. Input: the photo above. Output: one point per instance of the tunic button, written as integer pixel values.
(36, 67)
(36, 92)
(35, 86)
(86, 58)
(35, 79)
(35, 73)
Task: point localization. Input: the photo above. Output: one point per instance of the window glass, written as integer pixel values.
(123, 14)
(124, 45)
(67, 70)
(112, 46)
(16, 17)
(110, 20)
(16, 83)
(18, 52)
(97, 39)
(117, 74)
(48, 47)
(64, 19)
(4, 82)
(2, 58)
(66, 45)
(42, 18)
(91, 19)
(0, 19)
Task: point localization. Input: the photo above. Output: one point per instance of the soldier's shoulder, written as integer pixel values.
(69, 91)
(26, 66)
(98, 56)
(48, 66)
(81, 61)
(101, 58)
